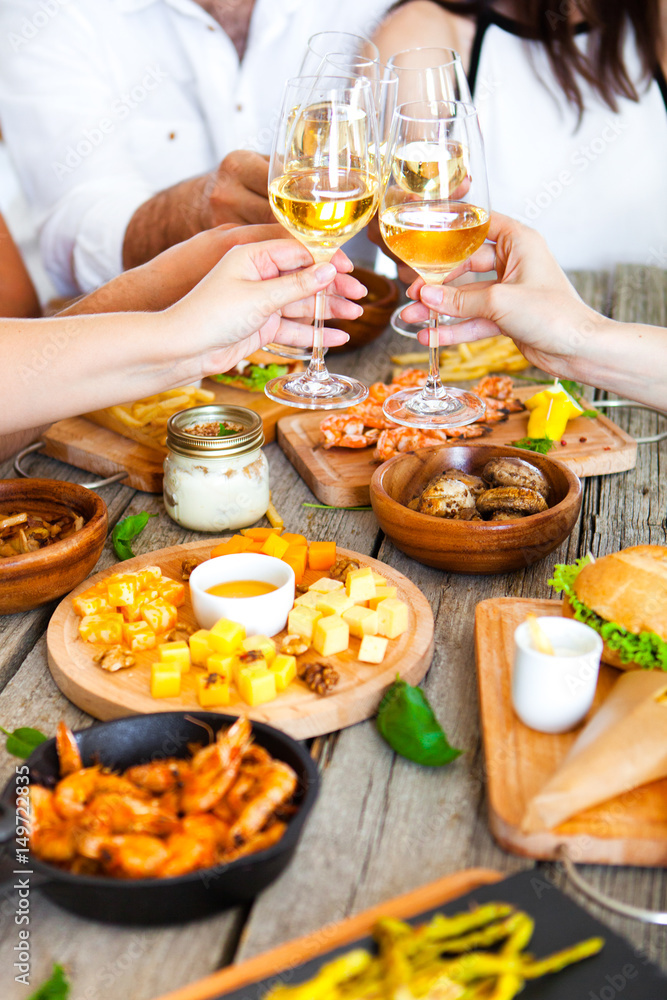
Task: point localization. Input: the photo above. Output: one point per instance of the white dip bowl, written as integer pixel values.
(266, 614)
(554, 693)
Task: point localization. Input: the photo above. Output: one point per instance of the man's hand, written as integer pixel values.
(237, 191)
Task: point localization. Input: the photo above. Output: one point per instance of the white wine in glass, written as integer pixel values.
(324, 188)
(434, 214)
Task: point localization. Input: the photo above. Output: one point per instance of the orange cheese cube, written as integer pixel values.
(299, 540)
(322, 555)
(123, 591)
(296, 556)
(259, 534)
(149, 577)
(107, 628)
(138, 635)
(275, 546)
(89, 603)
(159, 615)
(172, 591)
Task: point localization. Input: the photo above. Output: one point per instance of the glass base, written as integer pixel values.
(293, 353)
(413, 329)
(336, 392)
(456, 408)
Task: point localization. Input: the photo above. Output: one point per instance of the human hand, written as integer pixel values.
(532, 301)
(237, 191)
(255, 296)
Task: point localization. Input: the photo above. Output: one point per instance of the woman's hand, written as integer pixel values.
(532, 301)
(256, 295)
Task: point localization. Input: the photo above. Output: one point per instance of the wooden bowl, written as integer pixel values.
(471, 546)
(378, 305)
(35, 578)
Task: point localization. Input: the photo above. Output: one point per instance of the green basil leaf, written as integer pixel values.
(57, 987)
(225, 431)
(407, 722)
(126, 530)
(23, 741)
(539, 445)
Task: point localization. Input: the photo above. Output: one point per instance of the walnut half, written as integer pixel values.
(114, 658)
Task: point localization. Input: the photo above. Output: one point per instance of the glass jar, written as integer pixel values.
(215, 483)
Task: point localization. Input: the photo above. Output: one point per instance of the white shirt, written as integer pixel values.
(596, 190)
(103, 103)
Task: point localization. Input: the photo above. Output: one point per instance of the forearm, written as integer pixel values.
(61, 367)
(17, 292)
(169, 217)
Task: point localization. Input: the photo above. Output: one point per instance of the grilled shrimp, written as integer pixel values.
(67, 749)
(275, 785)
(215, 767)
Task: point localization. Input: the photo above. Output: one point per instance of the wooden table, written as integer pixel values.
(382, 825)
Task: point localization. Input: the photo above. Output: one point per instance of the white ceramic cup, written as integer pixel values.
(262, 615)
(554, 693)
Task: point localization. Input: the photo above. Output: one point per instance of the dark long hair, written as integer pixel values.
(602, 64)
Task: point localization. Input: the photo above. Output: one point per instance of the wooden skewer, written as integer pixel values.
(539, 638)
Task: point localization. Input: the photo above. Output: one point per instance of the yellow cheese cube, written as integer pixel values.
(175, 652)
(325, 585)
(284, 670)
(247, 661)
(381, 594)
(221, 664)
(308, 600)
(379, 580)
(360, 585)
(263, 644)
(123, 591)
(372, 649)
(392, 617)
(159, 615)
(226, 636)
(107, 628)
(212, 690)
(138, 635)
(275, 546)
(165, 680)
(89, 603)
(361, 621)
(301, 621)
(257, 686)
(335, 603)
(200, 649)
(331, 635)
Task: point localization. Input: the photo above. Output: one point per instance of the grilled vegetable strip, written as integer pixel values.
(561, 959)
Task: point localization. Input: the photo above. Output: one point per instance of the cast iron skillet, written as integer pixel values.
(137, 740)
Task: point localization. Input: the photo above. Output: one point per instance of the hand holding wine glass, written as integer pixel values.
(434, 214)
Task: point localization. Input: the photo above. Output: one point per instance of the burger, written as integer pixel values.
(253, 373)
(623, 596)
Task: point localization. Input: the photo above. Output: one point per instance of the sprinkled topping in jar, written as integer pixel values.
(222, 429)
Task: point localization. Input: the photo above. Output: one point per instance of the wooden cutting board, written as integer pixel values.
(298, 711)
(301, 950)
(628, 830)
(341, 476)
(100, 449)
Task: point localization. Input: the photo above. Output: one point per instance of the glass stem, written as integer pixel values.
(317, 368)
(434, 388)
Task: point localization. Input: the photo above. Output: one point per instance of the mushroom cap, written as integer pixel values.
(474, 483)
(448, 498)
(510, 471)
(511, 499)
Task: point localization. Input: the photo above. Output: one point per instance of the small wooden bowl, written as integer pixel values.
(35, 578)
(378, 305)
(471, 546)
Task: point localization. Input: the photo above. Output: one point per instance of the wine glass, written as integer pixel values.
(434, 214)
(384, 83)
(324, 188)
(426, 74)
(343, 42)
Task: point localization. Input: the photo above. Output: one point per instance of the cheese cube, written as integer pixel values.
(379, 580)
(257, 686)
(123, 591)
(248, 661)
(381, 594)
(172, 591)
(200, 649)
(175, 652)
(360, 585)
(392, 617)
(222, 665)
(149, 577)
(325, 585)
(335, 603)
(212, 690)
(226, 636)
(159, 615)
(308, 600)
(263, 644)
(284, 670)
(372, 649)
(331, 635)
(361, 621)
(275, 546)
(301, 621)
(91, 604)
(138, 635)
(107, 628)
(165, 680)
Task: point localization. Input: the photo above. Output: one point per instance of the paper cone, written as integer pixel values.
(623, 746)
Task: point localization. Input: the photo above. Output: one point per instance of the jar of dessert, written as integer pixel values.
(216, 476)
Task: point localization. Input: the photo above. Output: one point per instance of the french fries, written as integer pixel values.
(471, 361)
(151, 415)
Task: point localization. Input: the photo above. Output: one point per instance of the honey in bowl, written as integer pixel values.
(242, 588)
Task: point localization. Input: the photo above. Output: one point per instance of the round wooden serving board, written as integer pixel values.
(297, 711)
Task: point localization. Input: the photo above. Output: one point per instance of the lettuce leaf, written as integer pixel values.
(256, 378)
(645, 648)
